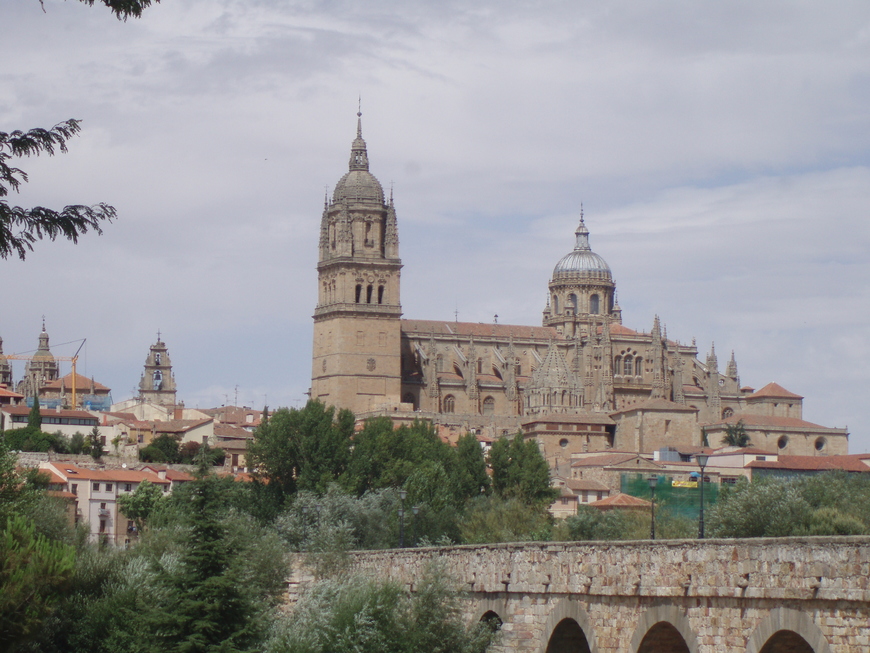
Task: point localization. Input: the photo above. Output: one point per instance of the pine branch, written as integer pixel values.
(20, 228)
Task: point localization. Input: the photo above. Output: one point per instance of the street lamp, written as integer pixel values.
(415, 510)
(702, 459)
(402, 496)
(653, 481)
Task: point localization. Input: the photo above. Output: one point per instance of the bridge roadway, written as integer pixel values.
(785, 595)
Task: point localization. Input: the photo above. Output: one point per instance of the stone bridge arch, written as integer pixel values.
(564, 611)
(778, 629)
(663, 621)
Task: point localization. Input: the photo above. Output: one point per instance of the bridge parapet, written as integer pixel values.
(674, 596)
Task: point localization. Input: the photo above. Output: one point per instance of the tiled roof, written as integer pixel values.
(563, 418)
(71, 472)
(179, 425)
(173, 475)
(82, 383)
(478, 330)
(620, 501)
(726, 451)
(774, 390)
(813, 463)
(657, 404)
(766, 420)
(579, 484)
(231, 431)
(48, 412)
(5, 392)
(606, 460)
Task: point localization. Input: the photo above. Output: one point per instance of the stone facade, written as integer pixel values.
(807, 595)
(581, 364)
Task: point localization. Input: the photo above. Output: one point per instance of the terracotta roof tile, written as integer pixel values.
(620, 500)
(478, 329)
(82, 383)
(813, 463)
(774, 390)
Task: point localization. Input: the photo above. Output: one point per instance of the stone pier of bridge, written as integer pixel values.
(808, 595)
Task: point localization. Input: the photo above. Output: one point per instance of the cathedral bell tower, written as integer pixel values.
(157, 385)
(356, 362)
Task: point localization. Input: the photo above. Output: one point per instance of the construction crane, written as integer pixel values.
(71, 359)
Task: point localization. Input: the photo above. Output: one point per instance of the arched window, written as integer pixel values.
(380, 294)
(449, 404)
(358, 292)
(617, 365)
(726, 413)
(572, 300)
(629, 366)
(638, 366)
(555, 305)
(488, 406)
(157, 358)
(594, 305)
(369, 294)
(439, 363)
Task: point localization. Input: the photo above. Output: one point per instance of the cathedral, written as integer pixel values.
(580, 382)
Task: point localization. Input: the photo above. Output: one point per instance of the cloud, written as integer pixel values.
(721, 152)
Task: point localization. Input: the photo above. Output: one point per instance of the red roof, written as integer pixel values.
(82, 382)
(608, 459)
(620, 501)
(49, 412)
(478, 330)
(749, 419)
(813, 463)
(774, 390)
(72, 471)
(5, 392)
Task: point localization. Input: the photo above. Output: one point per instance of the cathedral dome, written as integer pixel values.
(358, 183)
(582, 263)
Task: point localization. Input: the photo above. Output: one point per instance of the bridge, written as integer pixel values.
(785, 595)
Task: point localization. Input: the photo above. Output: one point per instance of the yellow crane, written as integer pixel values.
(72, 359)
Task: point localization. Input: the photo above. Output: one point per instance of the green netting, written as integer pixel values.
(682, 501)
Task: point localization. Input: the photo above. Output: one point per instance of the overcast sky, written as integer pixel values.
(720, 151)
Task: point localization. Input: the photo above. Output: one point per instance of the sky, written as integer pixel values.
(721, 152)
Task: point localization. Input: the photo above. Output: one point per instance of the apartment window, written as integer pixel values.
(108, 487)
(74, 488)
(102, 525)
(96, 487)
(128, 487)
(102, 506)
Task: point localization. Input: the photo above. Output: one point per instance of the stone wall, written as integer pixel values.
(715, 596)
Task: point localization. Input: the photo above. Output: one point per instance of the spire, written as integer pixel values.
(731, 369)
(582, 234)
(359, 158)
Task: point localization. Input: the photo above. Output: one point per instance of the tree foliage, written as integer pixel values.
(34, 570)
(370, 616)
(736, 435)
(833, 503)
(142, 503)
(496, 519)
(519, 470)
(20, 228)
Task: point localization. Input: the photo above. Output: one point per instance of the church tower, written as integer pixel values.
(158, 383)
(5, 369)
(581, 289)
(356, 361)
(40, 369)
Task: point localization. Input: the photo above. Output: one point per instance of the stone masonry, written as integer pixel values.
(809, 595)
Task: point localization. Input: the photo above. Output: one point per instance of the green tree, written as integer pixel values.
(495, 519)
(33, 573)
(77, 443)
(736, 435)
(471, 479)
(371, 616)
(95, 444)
(302, 449)
(593, 524)
(142, 503)
(520, 470)
(34, 418)
(208, 608)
